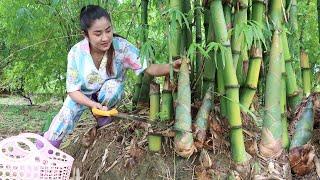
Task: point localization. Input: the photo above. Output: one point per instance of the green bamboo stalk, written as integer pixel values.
(154, 141)
(141, 89)
(293, 93)
(283, 100)
(145, 88)
(209, 73)
(249, 12)
(222, 93)
(250, 87)
(166, 112)
(263, 77)
(232, 88)
(144, 19)
(187, 33)
(183, 138)
(318, 9)
(206, 20)
(198, 61)
(227, 9)
(201, 124)
(306, 73)
(240, 17)
(276, 14)
(209, 64)
(284, 120)
(137, 89)
(154, 101)
(175, 35)
(294, 36)
(242, 66)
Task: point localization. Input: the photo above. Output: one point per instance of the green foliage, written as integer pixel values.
(37, 35)
(218, 48)
(177, 16)
(253, 33)
(147, 52)
(308, 30)
(212, 48)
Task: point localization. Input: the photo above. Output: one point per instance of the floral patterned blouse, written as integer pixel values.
(83, 75)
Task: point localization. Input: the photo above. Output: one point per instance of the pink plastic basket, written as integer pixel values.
(21, 159)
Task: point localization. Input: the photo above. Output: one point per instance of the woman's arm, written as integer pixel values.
(80, 98)
(162, 69)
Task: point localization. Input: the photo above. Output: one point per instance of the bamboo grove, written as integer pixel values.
(240, 58)
(239, 53)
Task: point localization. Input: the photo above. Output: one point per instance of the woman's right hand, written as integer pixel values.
(99, 106)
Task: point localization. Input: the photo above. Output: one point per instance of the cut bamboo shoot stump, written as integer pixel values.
(154, 143)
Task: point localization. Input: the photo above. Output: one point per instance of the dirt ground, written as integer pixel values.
(120, 151)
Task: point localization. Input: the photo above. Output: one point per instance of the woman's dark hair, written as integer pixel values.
(88, 15)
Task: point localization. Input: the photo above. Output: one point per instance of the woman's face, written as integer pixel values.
(100, 35)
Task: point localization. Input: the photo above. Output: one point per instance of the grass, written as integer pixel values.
(24, 118)
(16, 116)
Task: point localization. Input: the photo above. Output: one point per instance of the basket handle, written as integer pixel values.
(16, 140)
(45, 142)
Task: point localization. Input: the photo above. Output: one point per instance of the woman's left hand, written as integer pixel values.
(176, 65)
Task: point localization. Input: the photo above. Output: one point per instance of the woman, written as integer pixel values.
(96, 72)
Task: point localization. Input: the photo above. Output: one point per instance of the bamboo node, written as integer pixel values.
(305, 68)
(232, 86)
(205, 79)
(236, 52)
(296, 93)
(250, 87)
(288, 60)
(242, 6)
(256, 52)
(236, 127)
(284, 74)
